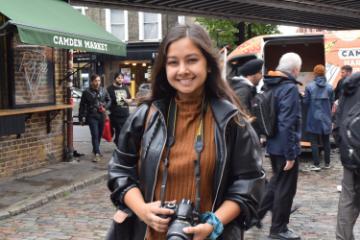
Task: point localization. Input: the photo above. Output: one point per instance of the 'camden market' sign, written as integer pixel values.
(31, 36)
(79, 43)
(57, 24)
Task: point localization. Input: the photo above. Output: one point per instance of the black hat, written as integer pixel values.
(251, 67)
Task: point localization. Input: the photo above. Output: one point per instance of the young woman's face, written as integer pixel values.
(186, 68)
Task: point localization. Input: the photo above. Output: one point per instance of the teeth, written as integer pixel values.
(185, 81)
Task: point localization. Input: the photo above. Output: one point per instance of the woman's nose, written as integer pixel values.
(182, 68)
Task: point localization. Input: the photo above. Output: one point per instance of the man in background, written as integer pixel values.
(346, 71)
(347, 132)
(283, 147)
(119, 108)
(245, 84)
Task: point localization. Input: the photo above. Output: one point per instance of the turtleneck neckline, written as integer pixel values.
(192, 105)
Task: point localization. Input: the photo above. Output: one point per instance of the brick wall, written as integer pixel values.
(35, 148)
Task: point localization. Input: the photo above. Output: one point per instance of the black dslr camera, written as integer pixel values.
(185, 216)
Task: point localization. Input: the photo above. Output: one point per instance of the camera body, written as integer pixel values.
(185, 216)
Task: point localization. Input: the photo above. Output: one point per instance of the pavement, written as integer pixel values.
(70, 200)
(26, 191)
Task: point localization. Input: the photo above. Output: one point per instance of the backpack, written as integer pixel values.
(347, 130)
(351, 133)
(264, 110)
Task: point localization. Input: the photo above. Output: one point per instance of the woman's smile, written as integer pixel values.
(186, 68)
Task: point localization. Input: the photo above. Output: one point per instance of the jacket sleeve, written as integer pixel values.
(122, 169)
(247, 181)
(107, 99)
(82, 106)
(289, 107)
(244, 96)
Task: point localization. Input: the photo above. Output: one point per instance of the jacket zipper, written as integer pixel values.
(223, 166)
(158, 163)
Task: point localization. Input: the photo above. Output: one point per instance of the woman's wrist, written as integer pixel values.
(210, 219)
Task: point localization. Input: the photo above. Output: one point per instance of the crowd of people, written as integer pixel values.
(188, 160)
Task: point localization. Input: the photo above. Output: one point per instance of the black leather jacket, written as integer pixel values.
(91, 100)
(244, 91)
(238, 174)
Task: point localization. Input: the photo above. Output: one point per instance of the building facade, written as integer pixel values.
(141, 31)
(35, 80)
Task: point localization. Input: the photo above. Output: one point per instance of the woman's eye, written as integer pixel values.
(192, 60)
(171, 62)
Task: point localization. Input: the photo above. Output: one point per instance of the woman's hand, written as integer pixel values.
(150, 214)
(200, 231)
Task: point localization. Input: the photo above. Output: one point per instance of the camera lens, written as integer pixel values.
(176, 238)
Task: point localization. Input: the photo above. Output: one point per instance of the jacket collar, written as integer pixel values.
(221, 109)
(275, 77)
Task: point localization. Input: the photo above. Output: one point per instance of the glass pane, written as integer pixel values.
(150, 31)
(117, 16)
(150, 17)
(119, 31)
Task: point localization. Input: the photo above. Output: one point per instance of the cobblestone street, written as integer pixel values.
(86, 214)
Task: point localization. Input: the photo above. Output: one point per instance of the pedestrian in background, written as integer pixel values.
(119, 108)
(93, 104)
(345, 72)
(347, 129)
(157, 148)
(245, 84)
(319, 98)
(283, 147)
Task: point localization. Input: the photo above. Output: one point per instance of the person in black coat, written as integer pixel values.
(346, 71)
(346, 132)
(93, 104)
(245, 84)
(119, 108)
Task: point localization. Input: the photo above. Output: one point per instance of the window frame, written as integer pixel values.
(142, 27)
(108, 23)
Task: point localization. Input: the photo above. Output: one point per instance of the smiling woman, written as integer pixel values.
(186, 68)
(220, 192)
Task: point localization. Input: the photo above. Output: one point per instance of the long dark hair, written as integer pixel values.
(215, 86)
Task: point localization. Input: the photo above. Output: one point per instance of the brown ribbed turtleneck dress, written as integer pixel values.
(181, 175)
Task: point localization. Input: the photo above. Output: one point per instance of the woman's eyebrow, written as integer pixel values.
(186, 56)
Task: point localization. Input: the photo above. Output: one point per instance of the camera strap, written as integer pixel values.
(198, 146)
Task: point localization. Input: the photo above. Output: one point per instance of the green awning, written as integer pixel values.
(55, 23)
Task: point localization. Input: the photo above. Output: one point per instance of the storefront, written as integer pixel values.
(36, 79)
(136, 67)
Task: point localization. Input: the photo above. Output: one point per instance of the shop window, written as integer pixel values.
(30, 74)
(117, 23)
(150, 26)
